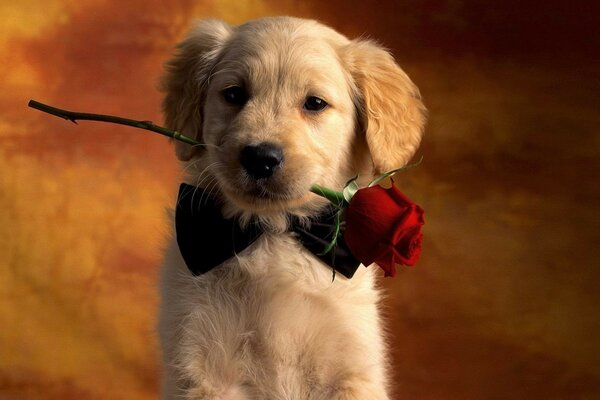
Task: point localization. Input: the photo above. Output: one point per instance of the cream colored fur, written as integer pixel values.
(270, 323)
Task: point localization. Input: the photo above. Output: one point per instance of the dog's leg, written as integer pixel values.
(362, 389)
(207, 387)
(361, 379)
(209, 392)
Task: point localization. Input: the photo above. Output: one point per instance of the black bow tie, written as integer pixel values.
(206, 239)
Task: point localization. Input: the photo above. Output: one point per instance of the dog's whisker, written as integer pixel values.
(192, 164)
(211, 180)
(200, 180)
(205, 181)
(205, 190)
(201, 177)
(196, 189)
(215, 185)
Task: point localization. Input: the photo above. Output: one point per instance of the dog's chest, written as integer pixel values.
(275, 289)
(271, 315)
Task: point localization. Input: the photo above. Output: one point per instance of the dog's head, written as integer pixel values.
(283, 103)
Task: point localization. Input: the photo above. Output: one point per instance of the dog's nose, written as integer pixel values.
(261, 160)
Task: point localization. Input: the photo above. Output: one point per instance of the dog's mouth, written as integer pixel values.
(263, 194)
(259, 197)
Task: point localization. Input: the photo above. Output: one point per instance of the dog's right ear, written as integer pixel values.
(186, 79)
(389, 105)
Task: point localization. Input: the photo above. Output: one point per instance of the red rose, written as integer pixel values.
(384, 227)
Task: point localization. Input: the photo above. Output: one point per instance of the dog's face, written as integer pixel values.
(279, 116)
(284, 103)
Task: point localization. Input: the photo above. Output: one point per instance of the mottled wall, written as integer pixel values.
(504, 303)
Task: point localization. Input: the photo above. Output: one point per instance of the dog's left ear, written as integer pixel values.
(389, 105)
(186, 79)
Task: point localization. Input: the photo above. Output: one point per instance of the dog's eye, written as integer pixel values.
(314, 103)
(235, 95)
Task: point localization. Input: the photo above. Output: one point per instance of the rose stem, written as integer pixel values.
(148, 125)
(331, 195)
(337, 198)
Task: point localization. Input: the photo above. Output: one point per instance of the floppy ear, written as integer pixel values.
(186, 79)
(389, 105)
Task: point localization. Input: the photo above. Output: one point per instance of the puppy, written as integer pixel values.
(281, 104)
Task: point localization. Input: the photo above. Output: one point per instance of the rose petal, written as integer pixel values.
(387, 261)
(384, 227)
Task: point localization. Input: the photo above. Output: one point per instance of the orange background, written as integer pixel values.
(504, 302)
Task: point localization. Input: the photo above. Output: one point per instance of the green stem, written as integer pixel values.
(148, 125)
(337, 198)
(392, 172)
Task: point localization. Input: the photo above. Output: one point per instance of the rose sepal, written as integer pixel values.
(392, 172)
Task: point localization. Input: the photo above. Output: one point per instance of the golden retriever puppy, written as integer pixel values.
(281, 103)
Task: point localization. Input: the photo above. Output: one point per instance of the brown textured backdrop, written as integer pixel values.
(504, 303)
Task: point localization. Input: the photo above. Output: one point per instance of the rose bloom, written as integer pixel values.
(384, 227)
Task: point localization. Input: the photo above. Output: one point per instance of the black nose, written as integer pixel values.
(261, 160)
